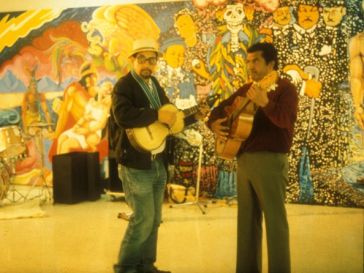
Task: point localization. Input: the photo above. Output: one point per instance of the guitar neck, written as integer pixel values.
(210, 100)
(190, 111)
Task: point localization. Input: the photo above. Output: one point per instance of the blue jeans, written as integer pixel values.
(144, 193)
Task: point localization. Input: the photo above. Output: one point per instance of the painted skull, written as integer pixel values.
(234, 16)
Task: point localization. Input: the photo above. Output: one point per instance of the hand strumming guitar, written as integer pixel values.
(257, 95)
(167, 116)
(219, 128)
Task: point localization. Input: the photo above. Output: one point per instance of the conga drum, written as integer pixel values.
(11, 142)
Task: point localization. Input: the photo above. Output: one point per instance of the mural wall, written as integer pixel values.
(58, 67)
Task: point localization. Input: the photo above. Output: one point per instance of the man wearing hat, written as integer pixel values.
(136, 102)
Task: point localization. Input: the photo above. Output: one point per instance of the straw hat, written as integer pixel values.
(145, 45)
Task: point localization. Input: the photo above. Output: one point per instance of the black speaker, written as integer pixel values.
(69, 178)
(93, 176)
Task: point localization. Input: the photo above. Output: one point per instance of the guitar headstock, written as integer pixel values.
(204, 106)
(211, 99)
(268, 80)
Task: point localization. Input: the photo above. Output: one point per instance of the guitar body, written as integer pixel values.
(151, 137)
(148, 138)
(227, 148)
(179, 124)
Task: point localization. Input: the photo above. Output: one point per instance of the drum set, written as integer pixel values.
(13, 149)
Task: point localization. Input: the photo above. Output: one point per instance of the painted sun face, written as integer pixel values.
(333, 15)
(308, 16)
(175, 55)
(282, 16)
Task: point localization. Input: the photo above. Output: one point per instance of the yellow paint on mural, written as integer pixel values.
(11, 100)
(20, 26)
(118, 26)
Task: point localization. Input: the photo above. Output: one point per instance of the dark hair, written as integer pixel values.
(305, 3)
(269, 52)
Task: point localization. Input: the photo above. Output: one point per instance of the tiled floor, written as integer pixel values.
(85, 238)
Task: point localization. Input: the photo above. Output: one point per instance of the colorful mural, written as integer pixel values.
(57, 69)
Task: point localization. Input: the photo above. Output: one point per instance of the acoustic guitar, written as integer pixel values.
(151, 137)
(240, 120)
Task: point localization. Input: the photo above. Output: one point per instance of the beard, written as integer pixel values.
(146, 73)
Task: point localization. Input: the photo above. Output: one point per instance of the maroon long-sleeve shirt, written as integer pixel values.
(273, 124)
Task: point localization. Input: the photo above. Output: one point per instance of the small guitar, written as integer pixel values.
(151, 137)
(240, 121)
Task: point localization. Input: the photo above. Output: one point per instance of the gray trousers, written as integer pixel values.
(261, 184)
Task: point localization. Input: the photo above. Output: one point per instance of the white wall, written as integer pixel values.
(20, 5)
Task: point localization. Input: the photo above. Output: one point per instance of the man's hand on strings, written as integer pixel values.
(219, 129)
(257, 95)
(167, 116)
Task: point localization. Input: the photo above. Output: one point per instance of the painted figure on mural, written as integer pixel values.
(32, 106)
(333, 42)
(178, 83)
(336, 91)
(85, 135)
(304, 31)
(227, 55)
(356, 53)
(282, 21)
(73, 104)
(36, 119)
(282, 17)
(186, 27)
(300, 61)
(354, 172)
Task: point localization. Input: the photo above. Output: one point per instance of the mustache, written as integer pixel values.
(308, 19)
(146, 70)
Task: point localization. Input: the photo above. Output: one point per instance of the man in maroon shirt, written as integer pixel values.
(262, 173)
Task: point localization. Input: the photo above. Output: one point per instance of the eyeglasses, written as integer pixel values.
(142, 60)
